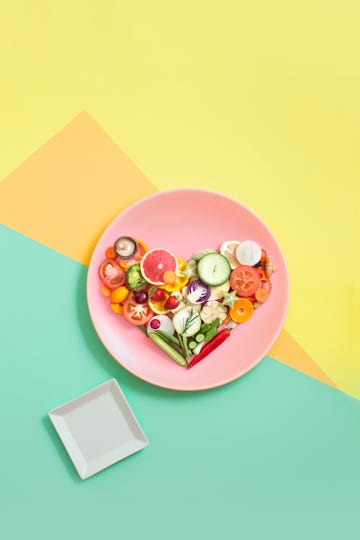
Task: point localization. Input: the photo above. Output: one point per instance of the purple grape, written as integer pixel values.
(140, 297)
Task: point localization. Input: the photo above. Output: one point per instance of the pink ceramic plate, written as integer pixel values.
(185, 221)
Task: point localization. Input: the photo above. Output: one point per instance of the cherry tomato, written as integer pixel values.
(110, 253)
(245, 280)
(136, 313)
(111, 274)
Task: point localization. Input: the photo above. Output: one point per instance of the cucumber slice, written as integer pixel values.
(214, 269)
(200, 254)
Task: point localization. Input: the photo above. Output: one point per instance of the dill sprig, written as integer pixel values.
(189, 321)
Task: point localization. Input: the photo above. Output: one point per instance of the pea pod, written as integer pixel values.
(167, 336)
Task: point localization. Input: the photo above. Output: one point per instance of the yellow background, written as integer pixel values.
(258, 101)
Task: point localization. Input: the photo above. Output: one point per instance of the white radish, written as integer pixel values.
(164, 323)
(248, 252)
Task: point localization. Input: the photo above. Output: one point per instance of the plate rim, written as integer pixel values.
(257, 361)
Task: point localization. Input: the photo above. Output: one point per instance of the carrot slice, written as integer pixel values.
(169, 277)
(262, 294)
(110, 253)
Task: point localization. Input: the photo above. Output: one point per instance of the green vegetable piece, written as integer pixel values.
(187, 321)
(192, 344)
(214, 269)
(230, 298)
(190, 270)
(210, 333)
(143, 328)
(134, 278)
(200, 337)
(210, 329)
(200, 254)
(168, 349)
(167, 336)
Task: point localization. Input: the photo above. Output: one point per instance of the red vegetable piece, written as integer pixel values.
(158, 295)
(209, 347)
(171, 303)
(135, 313)
(111, 274)
(245, 280)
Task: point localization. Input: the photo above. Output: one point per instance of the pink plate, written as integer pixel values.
(185, 221)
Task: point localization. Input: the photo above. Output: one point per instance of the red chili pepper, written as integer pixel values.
(210, 346)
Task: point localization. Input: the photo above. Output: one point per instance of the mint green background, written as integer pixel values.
(272, 455)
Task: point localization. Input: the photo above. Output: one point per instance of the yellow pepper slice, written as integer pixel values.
(180, 282)
(182, 264)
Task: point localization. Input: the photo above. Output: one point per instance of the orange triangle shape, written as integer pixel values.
(289, 352)
(63, 196)
(67, 192)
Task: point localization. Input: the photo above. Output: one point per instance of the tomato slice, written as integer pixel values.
(136, 313)
(245, 280)
(111, 274)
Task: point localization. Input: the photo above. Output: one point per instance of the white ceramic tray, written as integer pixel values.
(98, 428)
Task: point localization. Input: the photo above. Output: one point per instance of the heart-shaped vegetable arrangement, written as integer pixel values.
(186, 308)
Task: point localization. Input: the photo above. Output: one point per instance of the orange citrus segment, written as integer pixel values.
(242, 310)
(158, 306)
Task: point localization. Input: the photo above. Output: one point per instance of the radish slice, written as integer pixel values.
(248, 252)
(163, 323)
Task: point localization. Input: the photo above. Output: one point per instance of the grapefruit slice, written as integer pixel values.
(155, 263)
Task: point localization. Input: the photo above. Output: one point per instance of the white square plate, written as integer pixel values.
(98, 428)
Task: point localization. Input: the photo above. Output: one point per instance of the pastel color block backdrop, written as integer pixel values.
(105, 103)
